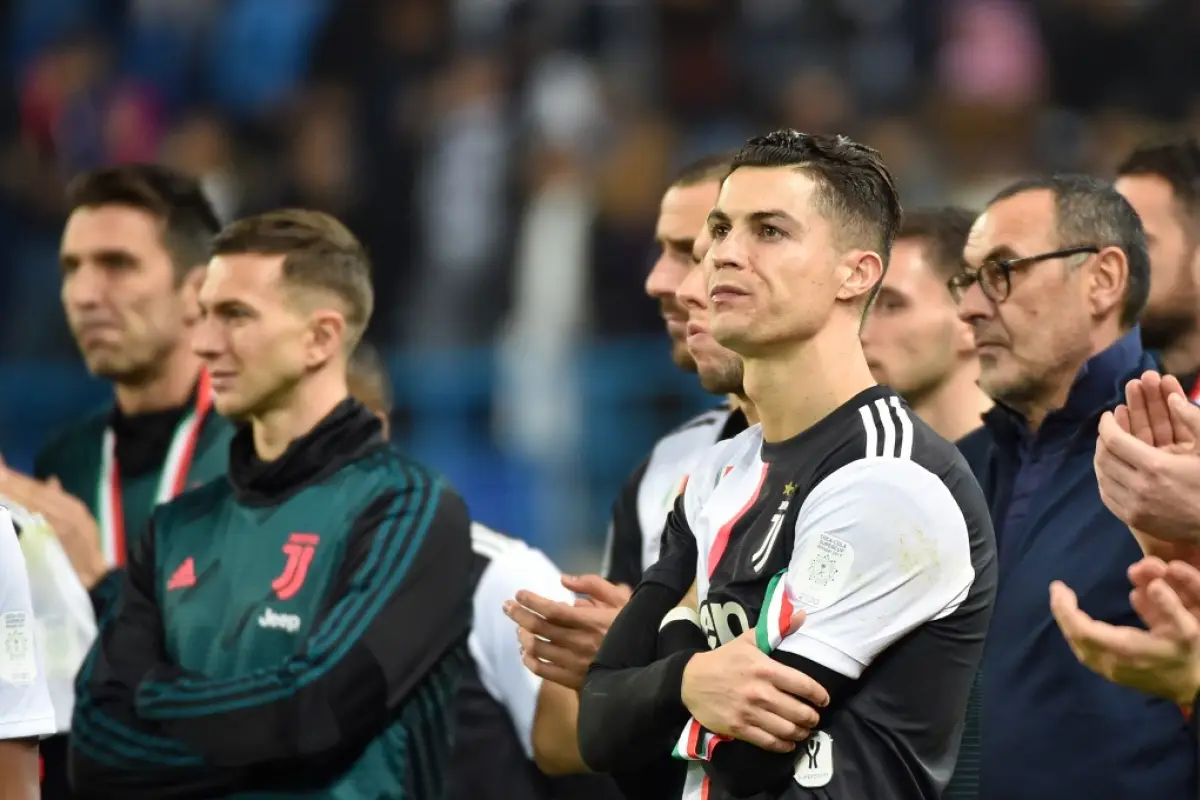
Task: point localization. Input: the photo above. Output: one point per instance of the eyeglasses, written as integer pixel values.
(995, 275)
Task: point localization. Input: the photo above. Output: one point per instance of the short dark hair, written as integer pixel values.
(1089, 211)
(708, 169)
(369, 381)
(943, 232)
(1175, 160)
(175, 199)
(855, 188)
(318, 253)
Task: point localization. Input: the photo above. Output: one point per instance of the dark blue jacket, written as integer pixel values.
(1050, 728)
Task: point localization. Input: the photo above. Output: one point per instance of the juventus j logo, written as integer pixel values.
(299, 550)
(759, 559)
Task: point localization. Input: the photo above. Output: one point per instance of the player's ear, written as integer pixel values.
(1107, 280)
(860, 271)
(326, 336)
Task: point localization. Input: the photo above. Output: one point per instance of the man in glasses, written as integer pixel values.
(1057, 276)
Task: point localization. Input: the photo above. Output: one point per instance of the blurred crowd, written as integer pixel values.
(460, 138)
(503, 159)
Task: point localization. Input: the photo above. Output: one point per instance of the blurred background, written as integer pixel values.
(503, 162)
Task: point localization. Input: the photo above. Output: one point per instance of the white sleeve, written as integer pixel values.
(493, 641)
(25, 708)
(881, 548)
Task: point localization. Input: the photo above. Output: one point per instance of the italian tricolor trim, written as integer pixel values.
(776, 615)
(696, 744)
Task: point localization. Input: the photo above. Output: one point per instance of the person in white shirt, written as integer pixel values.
(26, 713)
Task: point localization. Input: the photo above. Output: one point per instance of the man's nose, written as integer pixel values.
(692, 292)
(665, 277)
(729, 252)
(974, 304)
(207, 341)
(83, 286)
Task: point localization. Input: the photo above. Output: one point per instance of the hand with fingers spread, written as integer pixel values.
(1148, 467)
(559, 640)
(69, 518)
(1163, 660)
(739, 691)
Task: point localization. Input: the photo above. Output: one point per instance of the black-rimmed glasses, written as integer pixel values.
(995, 275)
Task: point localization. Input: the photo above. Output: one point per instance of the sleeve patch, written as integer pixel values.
(17, 663)
(814, 765)
(821, 571)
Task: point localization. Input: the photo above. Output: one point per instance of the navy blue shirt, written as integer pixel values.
(1050, 728)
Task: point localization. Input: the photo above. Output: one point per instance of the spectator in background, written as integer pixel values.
(1058, 274)
(202, 147)
(913, 338)
(77, 111)
(1161, 180)
(133, 255)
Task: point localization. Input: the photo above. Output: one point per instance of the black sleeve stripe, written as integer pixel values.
(427, 719)
(392, 552)
(121, 747)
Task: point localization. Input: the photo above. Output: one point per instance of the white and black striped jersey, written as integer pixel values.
(641, 509)
(874, 525)
(493, 758)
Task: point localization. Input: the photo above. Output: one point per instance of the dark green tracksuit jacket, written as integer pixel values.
(142, 441)
(295, 631)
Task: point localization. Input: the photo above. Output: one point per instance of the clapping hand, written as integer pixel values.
(1148, 467)
(559, 640)
(1164, 659)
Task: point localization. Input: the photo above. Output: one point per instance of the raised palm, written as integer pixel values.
(1147, 415)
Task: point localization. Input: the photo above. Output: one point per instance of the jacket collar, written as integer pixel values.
(347, 433)
(1098, 387)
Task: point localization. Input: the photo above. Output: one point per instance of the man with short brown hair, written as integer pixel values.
(319, 255)
(300, 628)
